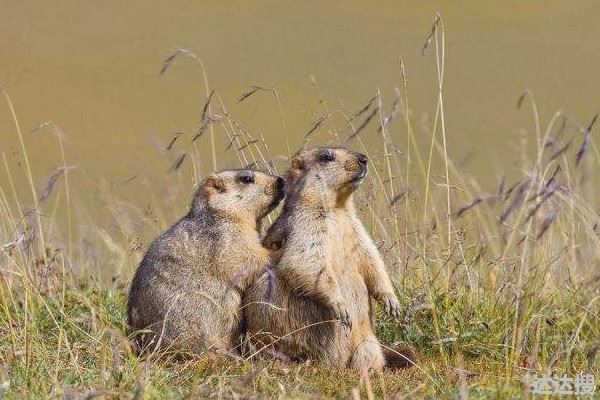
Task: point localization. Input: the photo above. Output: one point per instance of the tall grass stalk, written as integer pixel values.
(29, 174)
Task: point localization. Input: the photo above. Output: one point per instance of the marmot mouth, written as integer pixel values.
(360, 176)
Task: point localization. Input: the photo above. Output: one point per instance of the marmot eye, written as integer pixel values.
(326, 157)
(247, 179)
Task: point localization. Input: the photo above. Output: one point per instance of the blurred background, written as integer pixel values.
(93, 69)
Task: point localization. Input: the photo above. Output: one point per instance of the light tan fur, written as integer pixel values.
(328, 269)
(186, 294)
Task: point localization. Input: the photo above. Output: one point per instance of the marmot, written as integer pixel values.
(186, 294)
(327, 269)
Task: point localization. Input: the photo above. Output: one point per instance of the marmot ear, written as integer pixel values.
(214, 182)
(297, 166)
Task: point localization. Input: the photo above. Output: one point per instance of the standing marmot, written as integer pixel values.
(328, 269)
(187, 292)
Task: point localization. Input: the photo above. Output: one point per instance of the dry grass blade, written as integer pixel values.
(547, 194)
(403, 74)
(203, 127)
(167, 62)
(252, 90)
(18, 241)
(510, 190)
(500, 191)
(546, 222)
(48, 187)
(592, 123)
(561, 129)
(517, 200)
(549, 143)
(560, 151)
(176, 136)
(177, 164)
(395, 110)
(362, 126)
(174, 54)
(522, 98)
(586, 140)
(130, 179)
(53, 128)
(398, 197)
(549, 185)
(248, 143)
(552, 178)
(317, 125)
(232, 140)
(206, 105)
(436, 22)
(473, 203)
(208, 121)
(363, 110)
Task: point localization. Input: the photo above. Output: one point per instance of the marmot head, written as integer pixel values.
(240, 193)
(335, 170)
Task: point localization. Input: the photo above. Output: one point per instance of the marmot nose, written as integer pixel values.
(362, 158)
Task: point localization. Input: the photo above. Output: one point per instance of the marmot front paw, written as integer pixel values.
(390, 305)
(341, 312)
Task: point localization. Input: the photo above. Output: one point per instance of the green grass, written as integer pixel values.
(77, 345)
(495, 284)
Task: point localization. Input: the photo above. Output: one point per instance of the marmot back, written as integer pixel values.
(186, 293)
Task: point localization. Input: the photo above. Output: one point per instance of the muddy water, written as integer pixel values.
(93, 69)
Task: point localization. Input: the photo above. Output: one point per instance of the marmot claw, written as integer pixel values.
(341, 313)
(391, 305)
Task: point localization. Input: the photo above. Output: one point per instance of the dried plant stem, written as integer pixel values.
(387, 157)
(208, 109)
(67, 197)
(13, 189)
(29, 174)
(283, 121)
(435, 312)
(232, 136)
(440, 52)
(6, 210)
(411, 144)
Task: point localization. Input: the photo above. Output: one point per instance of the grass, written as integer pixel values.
(495, 284)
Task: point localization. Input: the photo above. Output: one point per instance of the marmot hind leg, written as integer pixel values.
(368, 356)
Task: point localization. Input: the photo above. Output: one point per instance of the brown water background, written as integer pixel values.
(93, 69)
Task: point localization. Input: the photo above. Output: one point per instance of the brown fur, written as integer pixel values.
(186, 294)
(399, 356)
(328, 269)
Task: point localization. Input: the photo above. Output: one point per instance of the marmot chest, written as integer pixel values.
(344, 245)
(346, 262)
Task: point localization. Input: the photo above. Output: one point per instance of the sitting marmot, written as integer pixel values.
(327, 270)
(186, 294)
